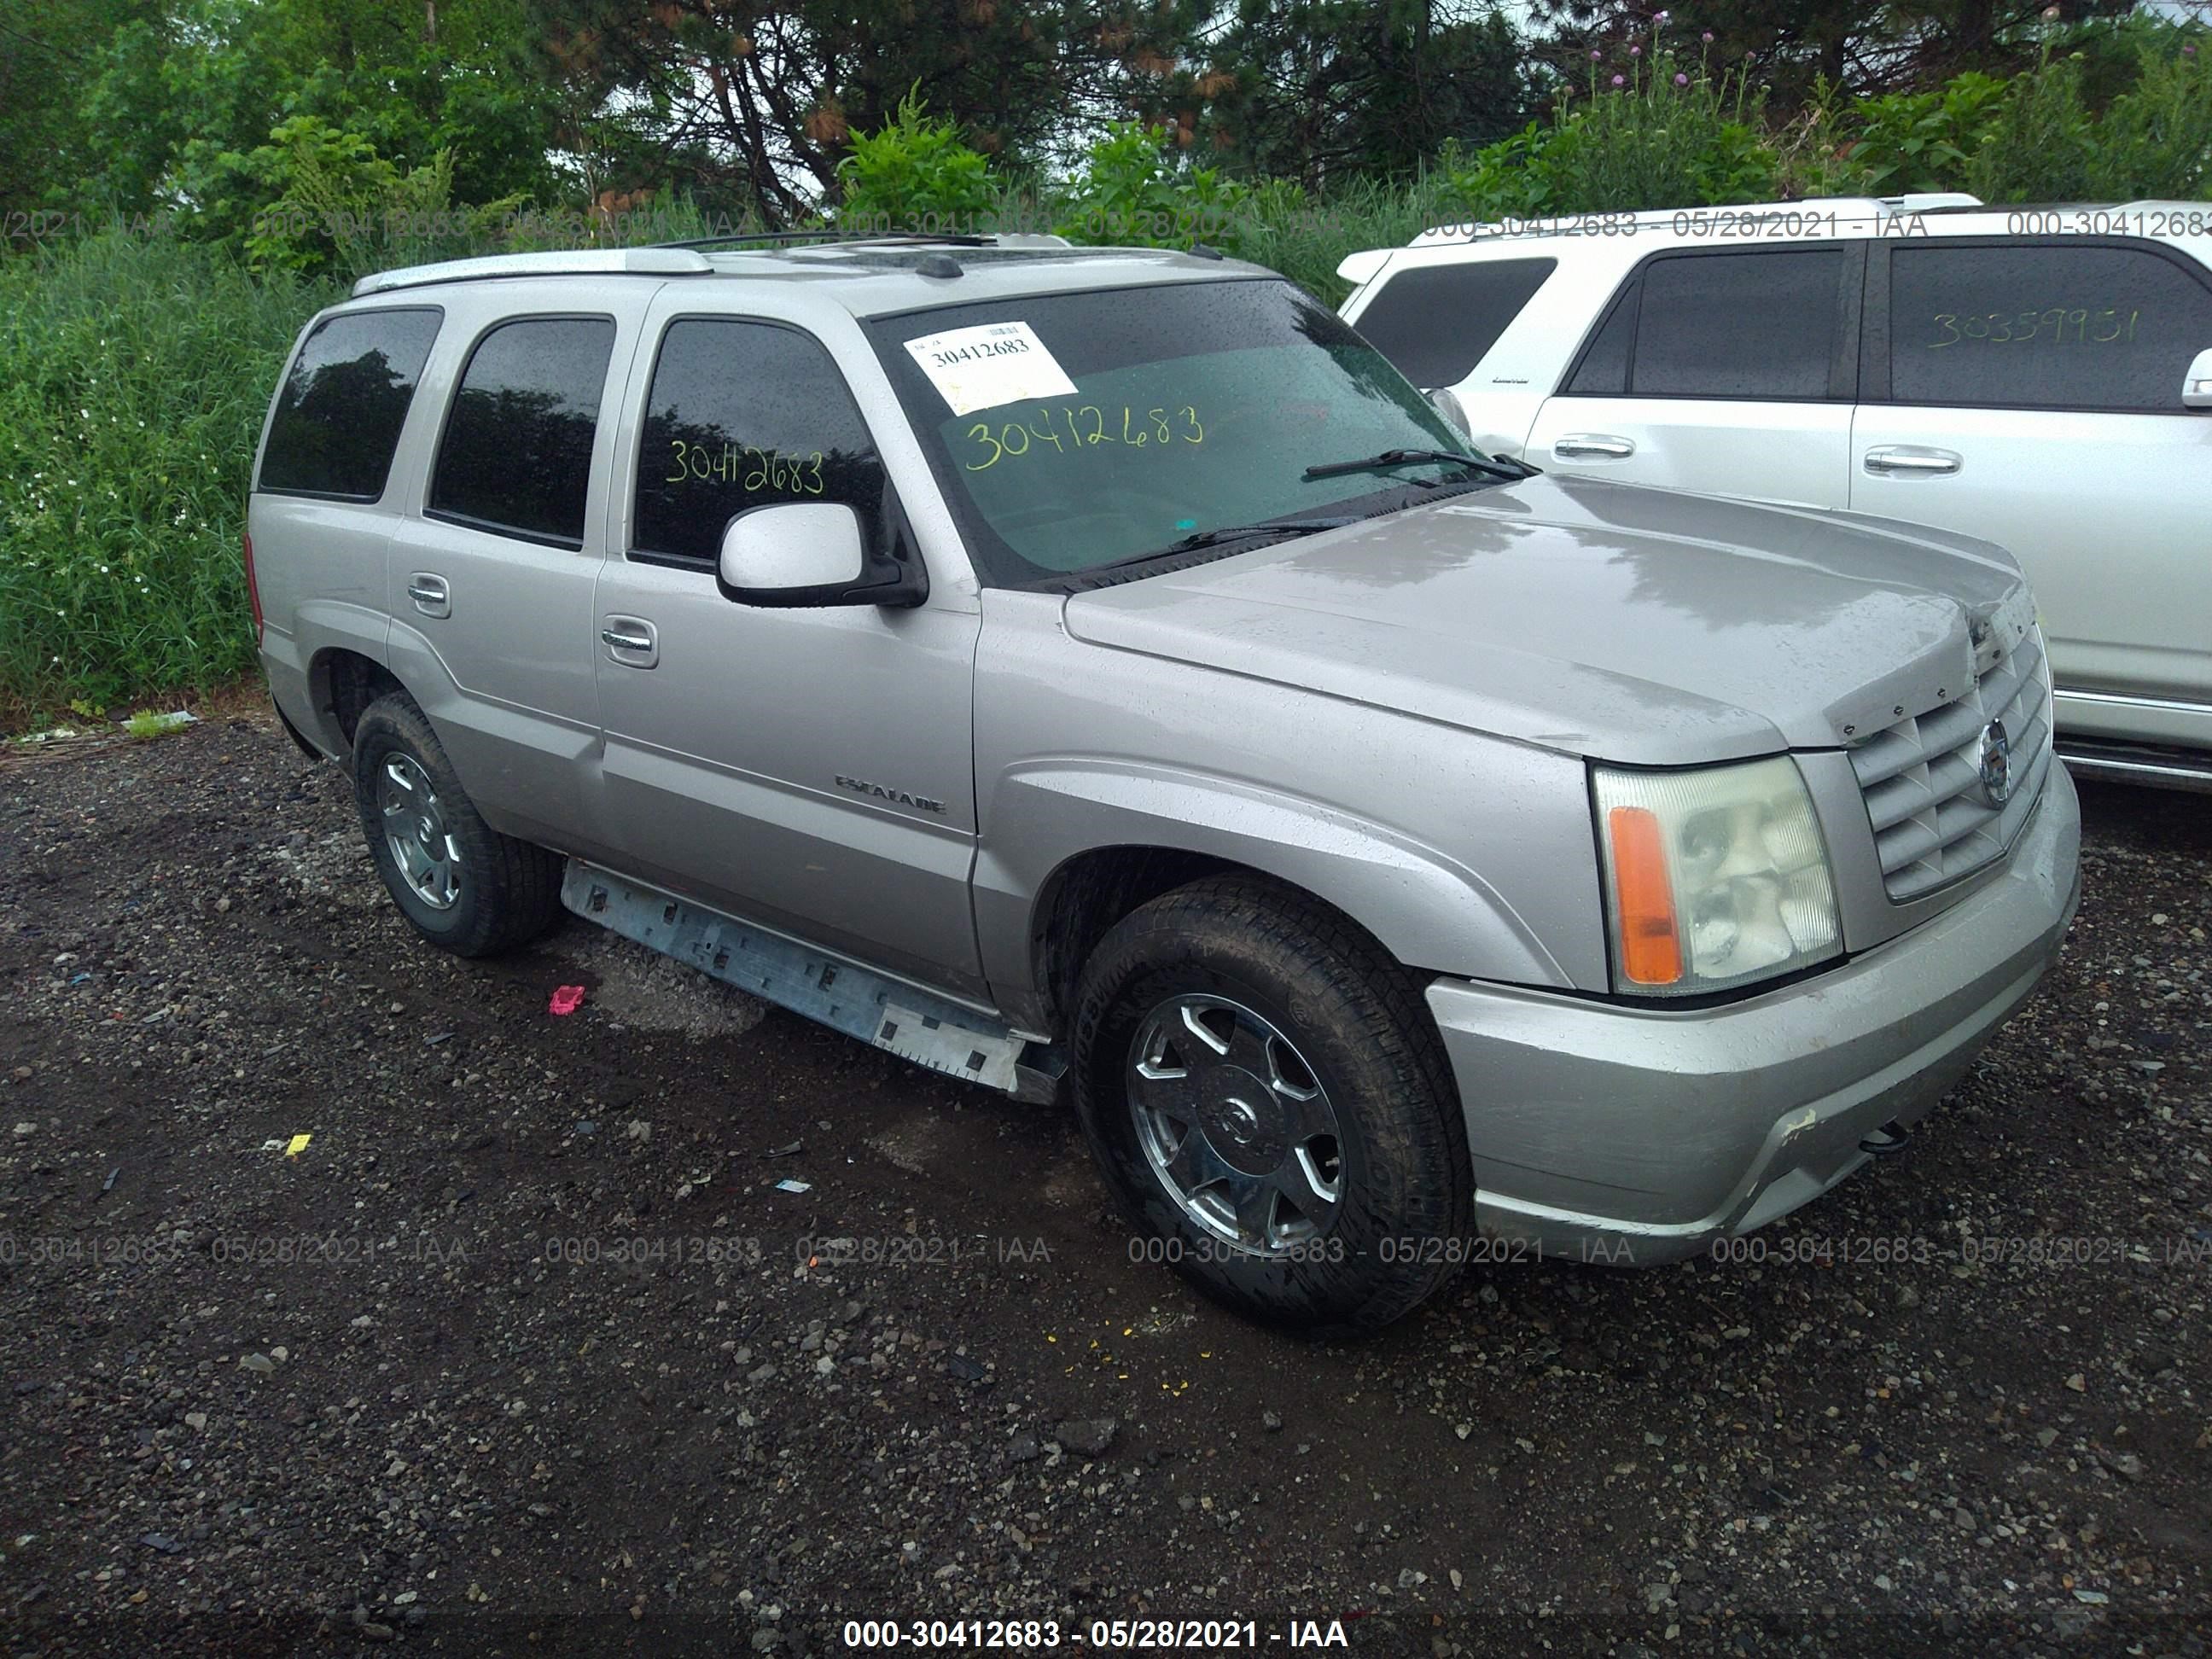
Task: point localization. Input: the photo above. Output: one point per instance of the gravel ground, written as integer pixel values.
(525, 1350)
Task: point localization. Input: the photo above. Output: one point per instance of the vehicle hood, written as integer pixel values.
(1625, 624)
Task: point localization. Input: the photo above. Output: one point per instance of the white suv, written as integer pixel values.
(2038, 377)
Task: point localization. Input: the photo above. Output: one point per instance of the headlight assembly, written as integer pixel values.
(1714, 878)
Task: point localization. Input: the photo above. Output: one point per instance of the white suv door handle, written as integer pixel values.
(431, 595)
(631, 641)
(1912, 461)
(1592, 446)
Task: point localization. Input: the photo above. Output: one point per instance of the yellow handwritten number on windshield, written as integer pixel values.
(1086, 427)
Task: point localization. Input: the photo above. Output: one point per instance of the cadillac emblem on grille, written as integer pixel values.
(1997, 763)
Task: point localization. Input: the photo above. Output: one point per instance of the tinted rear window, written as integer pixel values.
(1436, 322)
(338, 418)
(516, 452)
(1749, 325)
(2075, 326)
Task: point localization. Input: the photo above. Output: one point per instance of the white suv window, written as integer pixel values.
(2068, 325)
(1435, 323)
(1759, 326)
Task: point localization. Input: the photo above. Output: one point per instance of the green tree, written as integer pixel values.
(754, 104)
(179, 100)
(45, 55)
(1320, 91)
(1794, 47)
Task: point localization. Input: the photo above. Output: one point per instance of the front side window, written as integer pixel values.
(743, 415)
(1075, 431)
(516, 457)
(339, 415)
(1758, 327)
(1436, 322)
(2067, 326)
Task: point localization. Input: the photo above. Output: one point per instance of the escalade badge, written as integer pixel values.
(1997, 763)
(862, 787)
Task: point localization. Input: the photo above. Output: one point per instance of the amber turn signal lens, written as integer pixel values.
(1650, 949)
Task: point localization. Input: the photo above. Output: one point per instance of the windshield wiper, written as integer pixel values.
(1233, 533)
(1508, 470)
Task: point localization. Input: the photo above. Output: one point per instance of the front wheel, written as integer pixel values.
(1271, 1104)
(465, 887)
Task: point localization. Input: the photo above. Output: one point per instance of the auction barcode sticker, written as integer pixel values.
(984, 366)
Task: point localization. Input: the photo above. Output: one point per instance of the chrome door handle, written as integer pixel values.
(1592, 446)
(1917, 463)
(630, 640)
(431, 595)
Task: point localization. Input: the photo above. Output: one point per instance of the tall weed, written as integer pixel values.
(139, 370)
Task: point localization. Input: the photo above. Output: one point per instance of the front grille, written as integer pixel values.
(1921, 778)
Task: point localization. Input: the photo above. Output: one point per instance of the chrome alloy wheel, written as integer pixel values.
(429, 858)
(1235, 1124)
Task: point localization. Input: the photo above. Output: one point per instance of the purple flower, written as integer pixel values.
(1707, 37)
(1596, 54)
(1658, 17)
(1681, 80)
(2189, 51)
(1636, 52)
(1620, 80)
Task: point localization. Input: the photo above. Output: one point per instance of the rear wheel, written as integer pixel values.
(1270, 1103)
(465, 887)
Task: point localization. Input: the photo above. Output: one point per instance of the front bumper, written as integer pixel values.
(1638, 1136)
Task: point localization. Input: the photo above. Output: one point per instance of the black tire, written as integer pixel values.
(505, 892)
(1356, 1023)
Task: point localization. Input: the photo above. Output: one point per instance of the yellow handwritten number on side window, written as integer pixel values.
(2058, 326)
(770, 470)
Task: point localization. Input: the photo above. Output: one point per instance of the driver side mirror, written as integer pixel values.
(2196, 384)
(792, 554)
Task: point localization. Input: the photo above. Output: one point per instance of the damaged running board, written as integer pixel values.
(911, 1023)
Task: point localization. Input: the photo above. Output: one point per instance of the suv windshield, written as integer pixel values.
(1074, 431)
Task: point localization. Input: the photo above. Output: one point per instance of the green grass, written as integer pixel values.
(139, 373)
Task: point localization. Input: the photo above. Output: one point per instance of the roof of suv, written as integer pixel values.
(869, 278)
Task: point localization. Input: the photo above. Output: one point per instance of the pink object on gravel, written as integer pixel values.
(566, 1000)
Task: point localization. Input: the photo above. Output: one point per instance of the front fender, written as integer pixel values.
(1429, 909)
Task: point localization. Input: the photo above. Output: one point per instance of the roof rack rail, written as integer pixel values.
(580, 262)
(686, 258)
(899, 238)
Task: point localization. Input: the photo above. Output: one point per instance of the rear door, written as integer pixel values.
(810, 770)
(2029, 392)
(1728, 370)
(490, 577)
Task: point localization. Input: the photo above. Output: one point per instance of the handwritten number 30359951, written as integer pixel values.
(2007, 328)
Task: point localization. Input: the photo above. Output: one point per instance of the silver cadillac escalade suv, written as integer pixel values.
(1099, 669)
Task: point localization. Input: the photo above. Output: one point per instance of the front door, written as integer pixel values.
(1726, 371)
(810, 770)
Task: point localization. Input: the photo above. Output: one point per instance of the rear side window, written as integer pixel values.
(743, 415)
(516, 457)
(1436, 322)
(1761, 326)
(2078, 326)
(339, 416)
